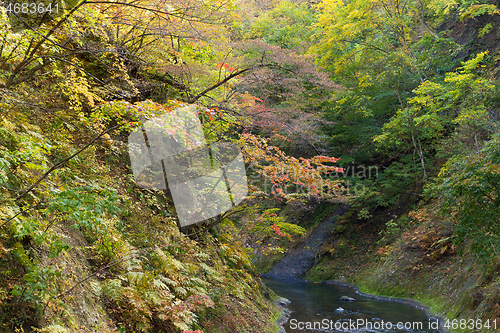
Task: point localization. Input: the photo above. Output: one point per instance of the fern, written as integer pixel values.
(168, 282)
(159, 284)
(112, 288)
(181, 291)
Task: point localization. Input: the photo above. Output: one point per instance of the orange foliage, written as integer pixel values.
(289, 175)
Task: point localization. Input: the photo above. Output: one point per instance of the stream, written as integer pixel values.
(317, 307)
(321, 305)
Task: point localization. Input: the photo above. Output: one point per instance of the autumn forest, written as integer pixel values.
(372, 125)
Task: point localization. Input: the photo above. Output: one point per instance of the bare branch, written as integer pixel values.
(29, 55)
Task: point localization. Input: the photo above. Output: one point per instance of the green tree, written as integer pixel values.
(461, 99)
(469, 187)
(380, 51)
(288, 25)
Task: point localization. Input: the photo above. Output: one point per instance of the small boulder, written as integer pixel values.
(347, 299)
(281, 302)
(339, 309)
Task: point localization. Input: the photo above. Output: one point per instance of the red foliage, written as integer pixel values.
(277, 231)
(288, 174)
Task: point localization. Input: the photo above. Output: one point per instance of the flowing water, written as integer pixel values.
(320, 305)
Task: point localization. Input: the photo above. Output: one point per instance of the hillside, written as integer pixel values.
(389, 110)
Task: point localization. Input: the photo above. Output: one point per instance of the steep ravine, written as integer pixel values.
(417, 264)
(295, 265)
(299, 260)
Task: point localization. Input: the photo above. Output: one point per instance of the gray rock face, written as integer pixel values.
(298, 261)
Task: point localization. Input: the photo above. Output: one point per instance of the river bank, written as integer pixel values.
(331, 307)
(406, 301)
(418, 264)
(281, 303)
